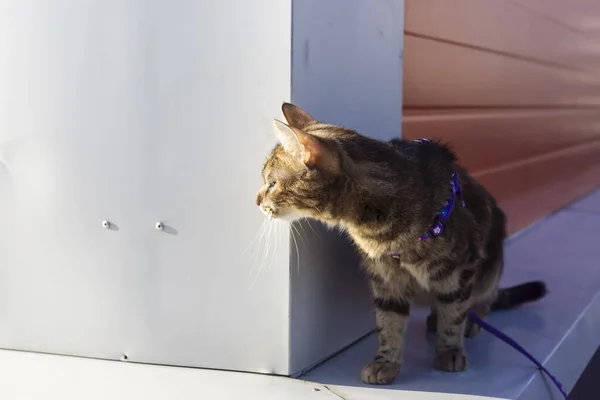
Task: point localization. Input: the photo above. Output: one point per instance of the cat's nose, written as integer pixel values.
(259, 199)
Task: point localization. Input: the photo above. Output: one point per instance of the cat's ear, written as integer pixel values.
(296, 117)
(307, 148)
(288, 139)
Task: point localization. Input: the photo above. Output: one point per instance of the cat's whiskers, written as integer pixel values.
(267, 252)
(267, 235)
(257, 247)
(293, 232)
(294, 228)
(271, 244)
(258, 235)
(311, 227)
(277, 231)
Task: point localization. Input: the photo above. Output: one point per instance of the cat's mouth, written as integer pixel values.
(282, 215)
(268, 211)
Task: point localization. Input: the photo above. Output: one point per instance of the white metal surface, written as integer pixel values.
(134, 112)
(132, 134)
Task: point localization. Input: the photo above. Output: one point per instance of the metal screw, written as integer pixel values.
(160, 226)
(124, 357)
(106, 224)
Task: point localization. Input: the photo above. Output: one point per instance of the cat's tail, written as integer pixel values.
(515, 296)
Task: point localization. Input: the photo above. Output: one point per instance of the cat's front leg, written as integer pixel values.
(391, 315)
(452, 311)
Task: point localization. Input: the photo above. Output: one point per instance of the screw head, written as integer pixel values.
(160, 226)
(106, 224)
(124, 357)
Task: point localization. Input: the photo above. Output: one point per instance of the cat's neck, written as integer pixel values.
(387, 201)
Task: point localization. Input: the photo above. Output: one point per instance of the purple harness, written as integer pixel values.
(438, 226)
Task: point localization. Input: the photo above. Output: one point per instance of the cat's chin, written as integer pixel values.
(291, 216)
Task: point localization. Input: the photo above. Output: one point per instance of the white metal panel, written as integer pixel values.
(140, 111)
(346, 70)
(222, 71)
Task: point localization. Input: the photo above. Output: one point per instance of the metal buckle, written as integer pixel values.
(437, 228)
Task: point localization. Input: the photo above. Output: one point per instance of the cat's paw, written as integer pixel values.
(452, 360)
(380, 373)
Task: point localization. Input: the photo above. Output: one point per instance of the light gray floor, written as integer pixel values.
(562, 330)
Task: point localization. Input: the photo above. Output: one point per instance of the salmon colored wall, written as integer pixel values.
(514, 86)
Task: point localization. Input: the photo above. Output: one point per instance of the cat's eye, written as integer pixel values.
(271, 185)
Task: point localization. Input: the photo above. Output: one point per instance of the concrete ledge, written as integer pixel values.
(562, 330)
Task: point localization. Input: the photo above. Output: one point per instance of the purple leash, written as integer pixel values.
(512, 343)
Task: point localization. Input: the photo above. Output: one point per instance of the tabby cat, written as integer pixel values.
(387, 196)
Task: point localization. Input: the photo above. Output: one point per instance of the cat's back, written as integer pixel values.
(426, 150)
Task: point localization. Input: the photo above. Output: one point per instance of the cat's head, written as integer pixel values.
(301, 172)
